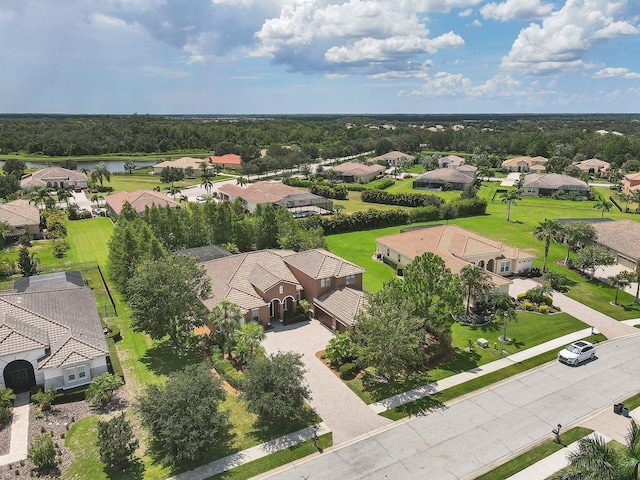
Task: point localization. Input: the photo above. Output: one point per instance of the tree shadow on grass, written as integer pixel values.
(163, 360)
(265, 430)
(461, 361)
(134, 471)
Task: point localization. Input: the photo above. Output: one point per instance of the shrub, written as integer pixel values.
(544, 308)
(337, 192)
(59, 247)
(226, 370)
(44, 398)
(401, 199)
(42, 452)
(116, 442)
(340, 350)
(101, 389)
(522, 295)
(528, 305)
(348, 370)
(545, 300)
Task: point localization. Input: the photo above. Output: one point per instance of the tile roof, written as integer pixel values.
(227, 159)
(593, 162)
(358, 169)
(261, 192)
(51, 174)
(610, 234)
(452, 160)
(452, 243)
(513, 162)
(19, 213)
(394, 155)
(182, 162)
(19, 336)
(447, 175)
(236, 277)
(139, 200)
(632, 176)
(320, 263)
(344, 303)
(68, 317)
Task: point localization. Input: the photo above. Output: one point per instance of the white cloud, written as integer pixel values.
(368, 37)
(466, 13)
(435, 5)
(163, 72)
(444, 84)
(102, 20)
(613, 72)
(476, 23)
(516, 10)
(564, 38)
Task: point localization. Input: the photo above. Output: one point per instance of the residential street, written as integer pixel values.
(456, 441)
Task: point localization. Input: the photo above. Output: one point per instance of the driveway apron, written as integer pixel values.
(341, 409)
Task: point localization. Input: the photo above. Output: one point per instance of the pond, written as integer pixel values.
(114, 166)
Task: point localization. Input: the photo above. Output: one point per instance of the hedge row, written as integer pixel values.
(226, 370)
(379, 184)
(401, 199)
(338, 192)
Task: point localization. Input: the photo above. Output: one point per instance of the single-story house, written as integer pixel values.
(54, 177)
(22, 217)
(547, 184)
(50, 334)
(450, 161)
(631, 183)
(593, 165)
(525, 164)
(621, 237)
(457, 178)
(268, 284)
(299, 202)
(394, 158)
(182, 163)
(139, 200)
(458, 247)
(351, 172)
(228, 161)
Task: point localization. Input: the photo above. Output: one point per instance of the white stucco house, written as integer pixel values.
(50, 333)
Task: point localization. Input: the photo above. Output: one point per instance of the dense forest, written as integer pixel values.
(568, 136)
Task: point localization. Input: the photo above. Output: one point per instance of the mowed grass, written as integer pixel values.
(129, 183)
(530, 330)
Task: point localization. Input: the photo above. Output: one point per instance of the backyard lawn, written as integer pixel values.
(142, 180)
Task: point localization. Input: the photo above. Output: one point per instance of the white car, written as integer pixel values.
(577, 352)
(201, 200)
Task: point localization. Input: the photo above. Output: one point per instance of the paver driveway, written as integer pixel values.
(341, 409)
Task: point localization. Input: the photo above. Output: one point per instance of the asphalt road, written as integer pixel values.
(456, 441)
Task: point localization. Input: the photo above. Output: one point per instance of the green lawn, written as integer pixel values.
(530, 330)
(535, 455)
(129, 183)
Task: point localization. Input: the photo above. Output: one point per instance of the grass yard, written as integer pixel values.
(129, 183)
(535, 455)
(530, 330)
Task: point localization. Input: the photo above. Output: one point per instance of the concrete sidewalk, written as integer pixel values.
(452, 381)
(19, 430)
(253, 453)
(551, 464)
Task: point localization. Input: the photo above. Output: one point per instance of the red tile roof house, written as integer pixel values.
(525, 164)
(229, 161)
(267, 285)
(139, 200)
(50, 333)
(458, 247)
(54, 177)
(593, 165)
(351, 172)
(297, 201)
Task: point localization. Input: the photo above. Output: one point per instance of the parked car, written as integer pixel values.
(577, 352)
(201, 200)
(77, 189)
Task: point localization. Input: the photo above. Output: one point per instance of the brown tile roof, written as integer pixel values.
(448, 175)
(51, 174)
(68, 318)
(261, 192)
(227, 159)
(452, 242)
(320, 263)
(453, 159)
(344, 304)
(358, 169)
(394, 155)
(236, 277)
(632, 176)
(139, 200)
(554, 181)
(19, 213)
(513, 162)
(622, 236)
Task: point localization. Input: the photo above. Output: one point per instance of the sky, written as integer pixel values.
(319, 56)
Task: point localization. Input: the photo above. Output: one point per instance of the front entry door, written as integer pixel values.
(19, 376)
(20, 380)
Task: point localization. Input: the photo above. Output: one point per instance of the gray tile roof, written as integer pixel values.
(69, 318)
(343, 304)
(623, 236)
(19, 336)
(554, 181)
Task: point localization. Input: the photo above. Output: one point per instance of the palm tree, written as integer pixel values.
(547, 230)
(626, 198)
(38, 196)
(226, 318)
(597, 459)
(6, 399)
(85, 170)
(576, 233)
(619, 282)
(511, 198)
(636, 199)
(476, 281)
(204, 168)
(206, 183)
(305, 170)
(183, 198)
(100, 174)
(604, 205)
(173, 191)
(248, 339)
(636, 278)
(241, 181)
(130, 166)
(64, 195)
(96, 199)
(338, 209)
(5, 230)
(49, 202)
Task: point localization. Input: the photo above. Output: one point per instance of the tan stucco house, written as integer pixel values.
(22, 217)
(54, 177)
(140, 200)
(525, 164)
(458, 247)
(351, 172)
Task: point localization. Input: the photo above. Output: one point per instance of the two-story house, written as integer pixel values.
(268, 284)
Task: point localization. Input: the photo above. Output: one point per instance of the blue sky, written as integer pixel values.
(320, 56)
